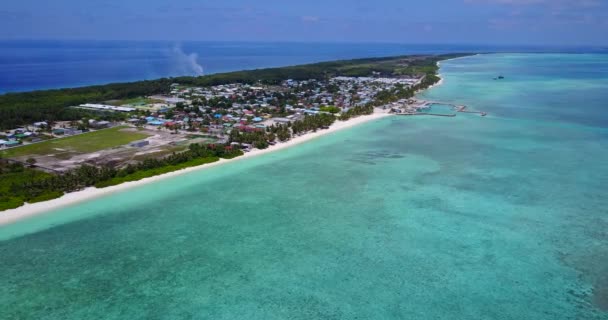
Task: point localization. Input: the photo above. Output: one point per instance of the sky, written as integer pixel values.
(522, 22)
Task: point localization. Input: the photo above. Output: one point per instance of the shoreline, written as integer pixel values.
(440, 82)
(34, 209)
(29, 210)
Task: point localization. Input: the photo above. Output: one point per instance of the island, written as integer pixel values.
(57, 142)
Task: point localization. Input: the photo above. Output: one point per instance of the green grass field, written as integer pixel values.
(83, 143)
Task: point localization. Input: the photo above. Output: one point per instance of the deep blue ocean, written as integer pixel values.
(35, 65)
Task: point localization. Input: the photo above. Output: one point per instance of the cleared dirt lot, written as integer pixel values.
(108, 146)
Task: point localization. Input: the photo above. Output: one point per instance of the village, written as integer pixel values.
(119, 132)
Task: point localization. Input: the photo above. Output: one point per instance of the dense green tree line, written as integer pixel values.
(280, 131)
(51, 105)
(20, 184)
(259, 139)
(357, 111)
(14, 174)
(312, 123)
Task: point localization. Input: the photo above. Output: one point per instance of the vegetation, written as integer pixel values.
(402, 92)
(262, 139)
(19, 184)
(312, 123)
(330, 109)
(133, 101)
(146, 173)
(357, 111)
(50, 105)
(16, 174)
(258, 139)
(281, 132)
(82, 143)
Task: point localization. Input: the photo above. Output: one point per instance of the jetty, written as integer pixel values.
(426, 114)
(416, 107)
(463, 110)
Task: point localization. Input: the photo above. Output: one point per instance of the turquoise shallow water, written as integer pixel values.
(500, 217)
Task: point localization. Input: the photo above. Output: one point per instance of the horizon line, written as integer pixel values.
(598, 46)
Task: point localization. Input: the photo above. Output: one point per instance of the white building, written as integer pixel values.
(106, 107)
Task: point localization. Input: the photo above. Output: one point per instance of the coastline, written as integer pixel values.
(440, 82)
(34, 209)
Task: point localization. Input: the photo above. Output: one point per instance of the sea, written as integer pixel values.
(467, 217)
(27, 65)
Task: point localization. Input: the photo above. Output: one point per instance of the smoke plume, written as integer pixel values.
(184, 64)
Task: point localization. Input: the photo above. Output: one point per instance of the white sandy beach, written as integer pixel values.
(29, 210)
(439, 75)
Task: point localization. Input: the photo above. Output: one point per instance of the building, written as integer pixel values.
(99, 124)
(12, 143)
(103, 107)
(281, 120)
(170, 100)
(156, 122)
(71, 131)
